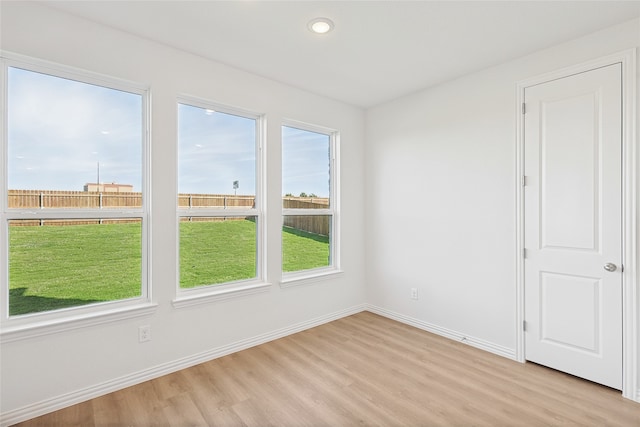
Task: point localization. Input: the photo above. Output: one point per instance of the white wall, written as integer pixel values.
(61, 367)
(441, 196)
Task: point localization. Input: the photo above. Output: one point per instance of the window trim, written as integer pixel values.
(34, 324)
(214, 292)
(303, 277)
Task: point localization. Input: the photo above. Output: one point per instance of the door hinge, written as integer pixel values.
(524, 181)
(524, 325)
(524, 108)
(524, 253)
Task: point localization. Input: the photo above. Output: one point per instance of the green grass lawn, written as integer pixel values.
(54, 267)
(216, 252)
(303, 251)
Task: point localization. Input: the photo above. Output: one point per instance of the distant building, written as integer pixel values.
(108, 188)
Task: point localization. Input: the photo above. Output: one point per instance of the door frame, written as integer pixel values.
(630, 166)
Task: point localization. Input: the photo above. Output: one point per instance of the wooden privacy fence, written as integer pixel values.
(316, 224)
(215, 201)
(52, 199)
(289, 202)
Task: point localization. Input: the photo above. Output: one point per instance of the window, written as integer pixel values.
(219, 215)
(74, 208)
(309, 202)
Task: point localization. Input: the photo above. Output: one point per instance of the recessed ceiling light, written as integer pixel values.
(320, 25)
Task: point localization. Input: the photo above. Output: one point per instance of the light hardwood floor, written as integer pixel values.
(360, 370)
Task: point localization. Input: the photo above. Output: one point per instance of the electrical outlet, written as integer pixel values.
(144, 333)
(414, 293)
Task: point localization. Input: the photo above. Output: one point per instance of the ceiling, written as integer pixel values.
(378, 50)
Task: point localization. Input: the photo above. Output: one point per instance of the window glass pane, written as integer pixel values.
(216, 250)
(59, 263)
(216, 158)
(306, 242)
(65, 135)
(72, 145)
(305, 169)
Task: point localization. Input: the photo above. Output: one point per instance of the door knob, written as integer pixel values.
(610, 267)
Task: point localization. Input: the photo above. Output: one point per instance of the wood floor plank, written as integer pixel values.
(141, 406)
(182, 411)
(73, 416)
(110, 409)
(451, 360)
(362, 370)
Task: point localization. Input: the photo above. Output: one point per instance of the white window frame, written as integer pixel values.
(303, 277)
(48, 322)
(208, 293)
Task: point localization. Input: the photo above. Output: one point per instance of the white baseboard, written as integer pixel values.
(78, 396)
(447, 333)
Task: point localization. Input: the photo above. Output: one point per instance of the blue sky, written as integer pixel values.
(214, 150)
(305, 162)
(60, 129)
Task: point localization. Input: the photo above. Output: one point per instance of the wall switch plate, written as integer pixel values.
(414, 293)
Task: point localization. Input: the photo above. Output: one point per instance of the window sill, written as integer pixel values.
(217, 294)
(55, 326)
(307, 277)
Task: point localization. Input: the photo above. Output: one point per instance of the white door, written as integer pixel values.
(573, 229)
